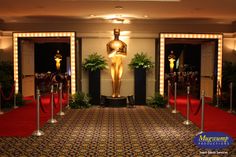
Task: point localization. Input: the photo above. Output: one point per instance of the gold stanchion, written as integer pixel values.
(38, 132)
(168, 102)
(1, 112)
(175, 111)
(61, 113)
(52, 120)
(187, 121)
(202, 115)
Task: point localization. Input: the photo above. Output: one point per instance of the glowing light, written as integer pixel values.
(71, 35)
(163, 36)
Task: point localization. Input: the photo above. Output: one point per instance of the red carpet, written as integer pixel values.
(22, 121)
(215, 118)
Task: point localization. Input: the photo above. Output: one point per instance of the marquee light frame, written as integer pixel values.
(71, 35)
(164, 36)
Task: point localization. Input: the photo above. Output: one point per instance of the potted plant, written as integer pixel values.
(79, 100)
(140, 63)
(157, 101)
(141, 60)
(94, 63)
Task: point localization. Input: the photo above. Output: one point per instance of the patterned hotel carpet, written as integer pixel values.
(140, 131)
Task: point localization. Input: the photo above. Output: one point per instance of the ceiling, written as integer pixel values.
(32, 11)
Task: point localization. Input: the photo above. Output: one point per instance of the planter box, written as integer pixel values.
(140, 86)
(94, 86)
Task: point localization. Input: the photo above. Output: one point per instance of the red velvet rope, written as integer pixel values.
(10, 95)
(41, 106)
(63, 96)
(190, 104)
(171, 92)
(199, 107)
(54, 102)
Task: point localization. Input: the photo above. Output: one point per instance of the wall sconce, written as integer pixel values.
(58, 58)
(171, 59)
(234, 49)
(116, 50)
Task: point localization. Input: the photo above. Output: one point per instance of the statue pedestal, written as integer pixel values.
(115, 102)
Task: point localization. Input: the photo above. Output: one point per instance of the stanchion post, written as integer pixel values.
(38, 132)
(61, 113)
(231, 98)
(187, 121)
(168, 102)
(1, 112)
(52, 120)
(68, 93)
(175, 111)
(202, 115)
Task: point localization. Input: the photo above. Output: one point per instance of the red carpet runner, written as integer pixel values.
(215, 118)
(22, 121)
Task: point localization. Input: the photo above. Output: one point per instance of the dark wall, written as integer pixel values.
(192, 55)
(44, 56)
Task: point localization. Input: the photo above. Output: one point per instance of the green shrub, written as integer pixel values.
(80, 100)
(157, 101)
(95, 62)
(141, 60)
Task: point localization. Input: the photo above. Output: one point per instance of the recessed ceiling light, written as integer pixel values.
(118, 7)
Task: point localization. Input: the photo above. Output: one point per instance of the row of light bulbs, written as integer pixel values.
(71, 35)
(163, 36)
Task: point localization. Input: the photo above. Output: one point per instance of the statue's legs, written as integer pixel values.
(116, 73)
(113, 78)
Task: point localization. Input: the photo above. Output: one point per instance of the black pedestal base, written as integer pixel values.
(115, 102)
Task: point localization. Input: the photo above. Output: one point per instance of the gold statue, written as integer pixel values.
(58, 58)
(116, 50)
(171, 59)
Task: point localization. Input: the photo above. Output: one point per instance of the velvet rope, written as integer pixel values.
(41, 106)
(54, 102)
(10, 95)
(199, 107)
(190, 104)
(171, 92)
(63, 96)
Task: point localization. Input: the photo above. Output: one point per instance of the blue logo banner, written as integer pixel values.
(213, 140)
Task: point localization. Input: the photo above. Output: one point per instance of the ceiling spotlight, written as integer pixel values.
(120, 21)
(118, 7)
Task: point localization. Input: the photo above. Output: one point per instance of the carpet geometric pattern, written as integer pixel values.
(140, 131)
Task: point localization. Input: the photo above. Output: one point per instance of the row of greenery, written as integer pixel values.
(94, 62)
(82, 100)
(98, 62)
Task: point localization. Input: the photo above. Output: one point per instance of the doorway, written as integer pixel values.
(186, 71)
(24, 58)
(211, 53)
